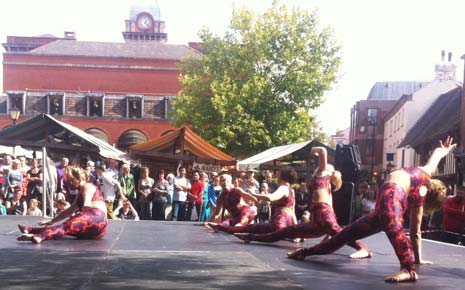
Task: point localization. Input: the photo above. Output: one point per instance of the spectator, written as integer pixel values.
(181, 186)
(214, 192)
(34, 209)
(302, 201)
(17, 205)
(264, 207)
(272, 185)
(107, 186)
(195, 197)
(34, 186)
(169, 202)
(205, 212)
(90, 168)
(113, 169)
(61, 186)
(2, 206)
(454, 213)
(363, 187)
(127, 182)
(4, 170)
(144, 190)
(369, 202)
(126, 211)
(14, 178)
(160, 196)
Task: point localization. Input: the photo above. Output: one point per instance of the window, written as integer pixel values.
(56, 104)
(16, 100)
(134, 107)
(95, 105)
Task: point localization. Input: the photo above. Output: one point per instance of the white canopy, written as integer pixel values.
(269, 155)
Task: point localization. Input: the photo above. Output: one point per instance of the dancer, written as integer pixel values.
(323, 217)
(410, 187)
(284, 202)
(90, 223)
(234, 200)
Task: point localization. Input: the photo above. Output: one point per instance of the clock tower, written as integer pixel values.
(144, 23)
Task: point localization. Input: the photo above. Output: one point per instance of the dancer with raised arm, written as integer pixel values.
(89, 223)
(410, 187)
(323, 217)
(234, 200)
(284, 201)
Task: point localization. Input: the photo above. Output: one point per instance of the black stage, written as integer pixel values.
(166, 255)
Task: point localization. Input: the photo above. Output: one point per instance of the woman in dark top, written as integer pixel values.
(34, 185)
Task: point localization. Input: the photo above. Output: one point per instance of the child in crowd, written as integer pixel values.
(2, 207)
(33, 208)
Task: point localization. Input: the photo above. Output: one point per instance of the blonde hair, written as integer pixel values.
(435, 196)
(76, 173)
(336, 177)
(33, 202)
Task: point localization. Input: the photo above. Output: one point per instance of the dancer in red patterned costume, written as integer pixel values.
(323, 217)
(284, 201)
(89, 223)
(404, 188)
(234, 200)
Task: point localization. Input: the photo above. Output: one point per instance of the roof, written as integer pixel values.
(45, 131)
(274, 153)
(393, 90)
(145, 50)
(446, 112)
(165, 145)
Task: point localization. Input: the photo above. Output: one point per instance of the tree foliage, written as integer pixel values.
(252, 89)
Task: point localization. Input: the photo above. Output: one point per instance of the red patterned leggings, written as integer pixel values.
(90, 223)
(240, 217)
(387, 217)
(281, 220)
(323, 222)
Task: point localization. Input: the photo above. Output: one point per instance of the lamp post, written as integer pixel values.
(372, 124)
(14, 114)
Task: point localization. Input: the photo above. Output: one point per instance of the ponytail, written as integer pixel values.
(336, 179)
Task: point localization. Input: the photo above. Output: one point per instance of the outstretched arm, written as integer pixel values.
(322, 157)
(438, 153)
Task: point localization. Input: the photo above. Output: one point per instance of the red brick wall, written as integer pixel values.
(133, 80)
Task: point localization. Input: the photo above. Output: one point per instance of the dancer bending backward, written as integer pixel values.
(323, 217)
(91, 221)
(284, 201)
(234, 200)
(410, 187)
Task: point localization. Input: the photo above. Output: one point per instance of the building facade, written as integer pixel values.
(409, 109)
(119, 92)
(367, 124)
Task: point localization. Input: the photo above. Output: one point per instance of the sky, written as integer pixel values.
(381, 40)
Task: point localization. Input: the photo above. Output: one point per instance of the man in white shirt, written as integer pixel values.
(107, 185)
(181, 186)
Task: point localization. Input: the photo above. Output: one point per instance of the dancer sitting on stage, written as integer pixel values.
(234, 200)
(323, 217)
(91, 221)
(410, 187)
(284, 202)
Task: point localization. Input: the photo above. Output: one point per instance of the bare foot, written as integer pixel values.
(402, 276)
(23, 229)
(297, 254)
(211, 226)
(361, 254)
(29, 237)
(243, 236)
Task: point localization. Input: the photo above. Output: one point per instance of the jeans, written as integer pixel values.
(179, 210)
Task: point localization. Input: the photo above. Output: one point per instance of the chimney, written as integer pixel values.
(70, 35)
(443, 54)
(449, 57)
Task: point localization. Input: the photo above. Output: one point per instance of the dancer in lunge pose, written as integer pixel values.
(90, 223)
(284, 202)
(405, 188)
(234, 200)
(323, 217)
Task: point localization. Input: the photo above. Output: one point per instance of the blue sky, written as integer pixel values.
(382, 40)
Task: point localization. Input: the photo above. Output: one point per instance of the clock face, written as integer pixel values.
(144, 22)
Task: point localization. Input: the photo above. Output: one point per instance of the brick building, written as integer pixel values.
(119, 92)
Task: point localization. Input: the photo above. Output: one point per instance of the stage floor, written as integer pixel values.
(167, 255)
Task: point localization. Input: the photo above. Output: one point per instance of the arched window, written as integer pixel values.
(98, 133)
(131, 137)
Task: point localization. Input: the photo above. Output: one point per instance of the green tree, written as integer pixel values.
(253, 88)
